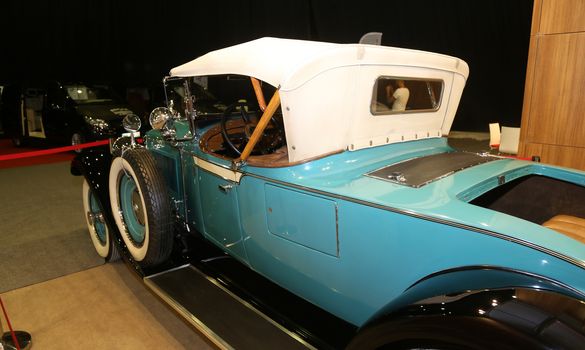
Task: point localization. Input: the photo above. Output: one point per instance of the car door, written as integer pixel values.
(54, 112)
(32, 112)
(218, 191)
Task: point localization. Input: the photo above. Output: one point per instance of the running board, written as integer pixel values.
(224, 318)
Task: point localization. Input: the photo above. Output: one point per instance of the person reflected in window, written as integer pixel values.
(397, 97)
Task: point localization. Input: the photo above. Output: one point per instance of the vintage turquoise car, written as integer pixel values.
(343, 190)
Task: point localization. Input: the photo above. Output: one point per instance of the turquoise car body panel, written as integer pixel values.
(350, 243)
(318, 225)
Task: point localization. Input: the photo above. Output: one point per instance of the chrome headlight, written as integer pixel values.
(159, 117)
(96, 123)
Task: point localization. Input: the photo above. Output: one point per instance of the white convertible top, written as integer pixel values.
(269, 59)
(276, 60)
(326, 90)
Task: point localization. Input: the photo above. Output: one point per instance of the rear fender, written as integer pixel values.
(520, 303)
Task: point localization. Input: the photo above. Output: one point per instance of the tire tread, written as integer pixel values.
(158, 209)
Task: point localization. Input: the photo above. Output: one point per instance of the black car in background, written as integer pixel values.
(66, 114)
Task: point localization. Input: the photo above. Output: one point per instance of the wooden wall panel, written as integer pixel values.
(557, 107)
(536, 14)
(567, 156)
(561, 16)
(528, 86)
(553, 114)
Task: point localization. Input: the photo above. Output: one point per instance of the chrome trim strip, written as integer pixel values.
(578, 263)
(223, 172)
(165, 271)
(189, 317)
(253, 309)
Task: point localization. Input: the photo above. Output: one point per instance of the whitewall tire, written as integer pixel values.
(98, 229)
(140, 206)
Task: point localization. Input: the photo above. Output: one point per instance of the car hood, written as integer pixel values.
(105, 111)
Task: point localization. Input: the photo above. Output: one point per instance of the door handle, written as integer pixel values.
(225, 188)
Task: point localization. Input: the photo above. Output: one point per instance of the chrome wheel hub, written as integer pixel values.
(137, 207)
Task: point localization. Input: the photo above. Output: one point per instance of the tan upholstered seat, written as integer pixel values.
(571, 226)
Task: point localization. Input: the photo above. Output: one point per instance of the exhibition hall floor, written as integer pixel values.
(55, 287)
(53, 284)
(104, 307)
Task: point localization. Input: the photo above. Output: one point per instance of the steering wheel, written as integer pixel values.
(272, 138)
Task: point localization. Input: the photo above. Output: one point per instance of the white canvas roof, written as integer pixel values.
(267, 59)
(276, 61)
(326, 90)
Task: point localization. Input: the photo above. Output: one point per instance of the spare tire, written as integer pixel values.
(141, 206)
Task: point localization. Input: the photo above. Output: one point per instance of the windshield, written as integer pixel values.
(88, 94)
(212, 94)
(204, 101)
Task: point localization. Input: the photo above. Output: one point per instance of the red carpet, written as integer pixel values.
(6, 147)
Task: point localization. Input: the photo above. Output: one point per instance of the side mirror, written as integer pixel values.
(159, 117)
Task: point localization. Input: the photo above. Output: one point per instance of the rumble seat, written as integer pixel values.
(568, 225)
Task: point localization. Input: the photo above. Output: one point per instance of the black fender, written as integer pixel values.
(481, 307)
(94, 165)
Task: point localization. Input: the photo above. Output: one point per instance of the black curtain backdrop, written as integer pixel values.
(131, 43)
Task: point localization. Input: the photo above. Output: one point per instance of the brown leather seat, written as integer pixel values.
(571, 226)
